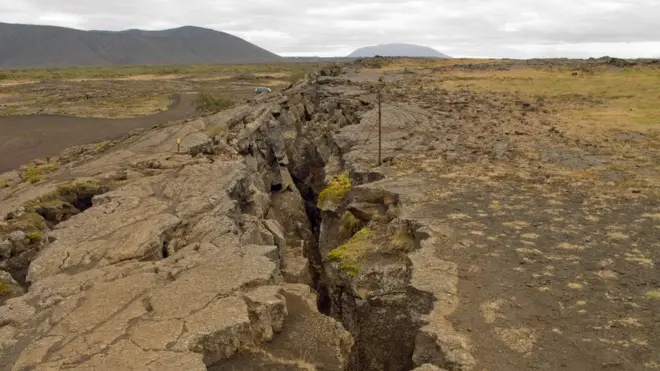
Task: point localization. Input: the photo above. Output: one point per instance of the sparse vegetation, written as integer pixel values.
(76, 190)
(403, 240)
(207, 102)
(337, 188)
(34, 236)
(4, 289)
(296, 76)
(349, 224)
(652, 294)
(348, 254)
(168, 71)
(69, 193)
(214, 130)
(102, 146)
(606, 98)
(134, 91)
(27, 222)
(35, 173)
(115, 72)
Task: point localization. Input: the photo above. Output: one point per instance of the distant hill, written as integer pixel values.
(45, 46)
(397, 50)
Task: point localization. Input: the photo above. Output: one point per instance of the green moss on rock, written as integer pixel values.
(4, 289)
(27, 222)
(348, 254)
(34, 236)
(35, 174)
(349, 224)
(336, 190)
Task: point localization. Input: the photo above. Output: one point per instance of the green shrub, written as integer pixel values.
(207, 102)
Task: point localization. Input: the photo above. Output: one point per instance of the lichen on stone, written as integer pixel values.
(336, 190)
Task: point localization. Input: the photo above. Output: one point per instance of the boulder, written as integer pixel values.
(5, 249)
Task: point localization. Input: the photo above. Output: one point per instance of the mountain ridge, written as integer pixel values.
(397, 50)
(25, 45)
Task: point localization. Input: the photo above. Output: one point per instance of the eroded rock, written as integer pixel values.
(206, 261)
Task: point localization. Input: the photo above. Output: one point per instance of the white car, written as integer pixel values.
(262, 90)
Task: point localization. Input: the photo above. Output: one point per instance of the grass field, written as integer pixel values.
(114, 72)
(132, 91)
(609, 98)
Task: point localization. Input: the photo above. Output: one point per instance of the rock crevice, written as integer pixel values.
(239, 254)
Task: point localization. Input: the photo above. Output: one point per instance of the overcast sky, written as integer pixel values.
(470, 28)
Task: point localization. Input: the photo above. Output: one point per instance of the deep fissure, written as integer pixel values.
(384, 325)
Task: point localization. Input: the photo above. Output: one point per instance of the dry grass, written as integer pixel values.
(133, 91)
(624, 99)
(35, 173)
(417, 63)
(153, 72)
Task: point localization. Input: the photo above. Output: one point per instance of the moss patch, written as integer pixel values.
(349, 224)
(652, 294)
(35, 174)
(71, 197)
(4, 289)
(28, 222)
(336, 190)
(348, 254)
(34, 236)
(82, 187)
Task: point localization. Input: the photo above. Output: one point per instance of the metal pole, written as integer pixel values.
(380, 116)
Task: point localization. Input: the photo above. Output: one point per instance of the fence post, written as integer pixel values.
(380, 116)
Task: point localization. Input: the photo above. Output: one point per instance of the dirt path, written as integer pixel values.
(25, 138)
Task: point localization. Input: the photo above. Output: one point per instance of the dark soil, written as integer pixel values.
(25, 138)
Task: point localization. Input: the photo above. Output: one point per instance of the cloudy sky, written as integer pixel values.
(466, 28)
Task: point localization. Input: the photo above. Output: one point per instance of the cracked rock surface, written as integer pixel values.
(280, 244)
(185, 264)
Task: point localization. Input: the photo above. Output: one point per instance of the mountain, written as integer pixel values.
(397, 50)
(45, 46)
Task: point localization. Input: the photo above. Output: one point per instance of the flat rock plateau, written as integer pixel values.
(273, 240)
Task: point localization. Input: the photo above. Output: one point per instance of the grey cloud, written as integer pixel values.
(515, 28)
